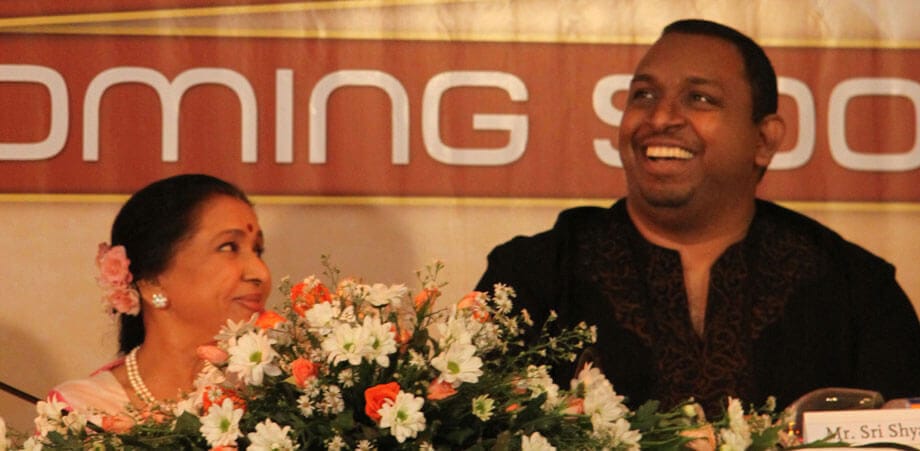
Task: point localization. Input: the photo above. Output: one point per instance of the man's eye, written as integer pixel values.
(641, 94)
(703, 98)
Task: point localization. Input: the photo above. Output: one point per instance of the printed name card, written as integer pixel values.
(859, 427)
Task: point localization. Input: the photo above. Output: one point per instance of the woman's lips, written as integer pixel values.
(252, 302)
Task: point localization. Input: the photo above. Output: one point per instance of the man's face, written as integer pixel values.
(687, 138)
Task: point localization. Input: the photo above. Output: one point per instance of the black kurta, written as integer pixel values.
(791, 308)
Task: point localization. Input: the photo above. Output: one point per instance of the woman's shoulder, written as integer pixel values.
(100, 391)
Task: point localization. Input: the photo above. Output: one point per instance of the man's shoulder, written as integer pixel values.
(569, 222)
(818, 235)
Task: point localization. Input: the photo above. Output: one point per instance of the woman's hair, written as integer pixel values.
(152, 224)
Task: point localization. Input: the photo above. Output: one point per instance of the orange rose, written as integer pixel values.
(439, 389)
(471, 302)
(117, 424)
(269, 319)
(575, 406)
(704, 438)
(303, 297)
(216, 395)
(303, 369)
(375, 397)
(426, 297)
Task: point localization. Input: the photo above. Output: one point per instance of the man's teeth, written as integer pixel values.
(668, 152)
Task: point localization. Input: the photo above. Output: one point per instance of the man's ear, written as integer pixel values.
(771, 129)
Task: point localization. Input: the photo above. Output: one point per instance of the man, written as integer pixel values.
(697, 288)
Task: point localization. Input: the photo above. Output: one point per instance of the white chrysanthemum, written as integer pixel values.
(321, 317)
(458, 364)
(75, 421)
(221, 426)
(336, 443)
(332, 403)
(457, 329)
(251, 357)
(305, 405)
(234, 329)
(379, 294)
(502, 295)
(346, 343)
(538, 381)
(602, 404)
(32, 444)
(416, 359)
(270, 437)
(488, 337)
(403, 416)
(738, 434)
(536, 442)
(346, 378)
(5, 443)
(621, 436)
(365, 445)
(50, 417)
(483, 407)
(381, 341)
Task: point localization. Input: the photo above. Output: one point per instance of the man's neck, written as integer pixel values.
(700, 241)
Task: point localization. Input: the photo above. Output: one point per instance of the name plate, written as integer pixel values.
(860, 427)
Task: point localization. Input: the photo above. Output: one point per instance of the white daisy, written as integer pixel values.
(321, 317)
(483, 407)
(458, 364)
(221, 426)
(738, 434)
(32, 444)
(251, 357)
(49, 417)
(381, 340)
(380, 294)
(346, 343)
(536, 442)
(270, 437)
(336, 443)
(403, 416)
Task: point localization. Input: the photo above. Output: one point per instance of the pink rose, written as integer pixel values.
(124, 300)
(113, 265)
(212, 354)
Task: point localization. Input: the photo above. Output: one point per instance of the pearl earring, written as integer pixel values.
(159, 300)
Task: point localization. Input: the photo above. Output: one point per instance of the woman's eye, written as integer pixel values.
(259, 250)
(229, 247)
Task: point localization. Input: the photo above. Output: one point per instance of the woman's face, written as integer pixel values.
(217, 273)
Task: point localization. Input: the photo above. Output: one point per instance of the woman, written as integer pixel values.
(195, 250)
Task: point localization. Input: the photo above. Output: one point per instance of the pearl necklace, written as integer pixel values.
(134, 377)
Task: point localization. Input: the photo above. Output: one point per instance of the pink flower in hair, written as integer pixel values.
(115, 278)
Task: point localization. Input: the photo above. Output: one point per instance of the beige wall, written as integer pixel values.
(52, 327)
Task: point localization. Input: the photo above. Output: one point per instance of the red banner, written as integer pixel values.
(107, 114)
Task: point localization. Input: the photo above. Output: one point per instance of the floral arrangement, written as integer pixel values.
(345, 365)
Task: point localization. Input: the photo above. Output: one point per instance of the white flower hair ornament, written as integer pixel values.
(120, 296)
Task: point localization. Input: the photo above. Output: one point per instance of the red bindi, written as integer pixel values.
(249, 227)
